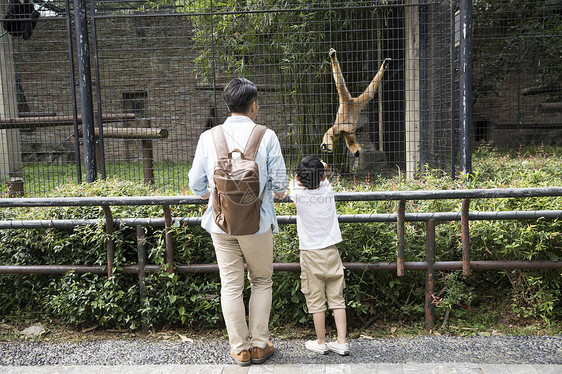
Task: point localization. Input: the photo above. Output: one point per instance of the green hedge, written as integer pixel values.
(193, 299)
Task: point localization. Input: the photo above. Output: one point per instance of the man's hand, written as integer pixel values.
(206, 196)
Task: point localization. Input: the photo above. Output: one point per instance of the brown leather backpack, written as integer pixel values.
(236, 197)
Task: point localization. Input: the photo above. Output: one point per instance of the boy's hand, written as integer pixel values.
(206, 196)
(280, 196)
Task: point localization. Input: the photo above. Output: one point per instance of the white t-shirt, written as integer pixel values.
(317, 220)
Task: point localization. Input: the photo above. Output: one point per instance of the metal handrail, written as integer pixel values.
(339, 196)
(429, 266)
(286, 220)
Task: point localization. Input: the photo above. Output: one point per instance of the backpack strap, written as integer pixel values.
(254, 142)
(221, 146)
(252, 147)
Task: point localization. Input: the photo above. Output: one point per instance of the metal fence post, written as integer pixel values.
(141, 251)
(169, 240)
(465, 234)
(465, 87)
(430, 276)
(109, 228)
(400, 233)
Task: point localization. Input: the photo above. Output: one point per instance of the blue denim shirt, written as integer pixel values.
(273, 175)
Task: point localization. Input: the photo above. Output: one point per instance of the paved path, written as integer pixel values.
(407, 368)
(415, 355)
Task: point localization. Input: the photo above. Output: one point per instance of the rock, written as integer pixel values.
(33, 332)
(369, 160)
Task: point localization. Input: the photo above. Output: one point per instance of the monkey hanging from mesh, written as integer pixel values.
(349, 109)
(20, 18)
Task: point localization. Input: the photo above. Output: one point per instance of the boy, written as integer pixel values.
(321, 267)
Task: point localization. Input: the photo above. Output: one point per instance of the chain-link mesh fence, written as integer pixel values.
(518, 73)
(158, 69)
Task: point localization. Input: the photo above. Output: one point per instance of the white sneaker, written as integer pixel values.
(341, 349)
(314, 346)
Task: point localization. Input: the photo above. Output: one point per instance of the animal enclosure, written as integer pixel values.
(157, 70)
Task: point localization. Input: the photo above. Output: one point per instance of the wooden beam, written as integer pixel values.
(132, 133)
(41, 121)
(546, 88)
(551, 107)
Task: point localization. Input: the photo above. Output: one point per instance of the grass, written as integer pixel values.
(484, 322)
(171, 178)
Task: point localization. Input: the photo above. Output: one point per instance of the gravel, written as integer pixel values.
(423, 349)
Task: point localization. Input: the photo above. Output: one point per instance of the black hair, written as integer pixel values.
(310, 172)
(239, 94)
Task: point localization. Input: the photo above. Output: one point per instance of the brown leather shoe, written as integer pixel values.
(259, 355)
(243, 358)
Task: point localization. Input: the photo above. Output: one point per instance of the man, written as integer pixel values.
(249, 341)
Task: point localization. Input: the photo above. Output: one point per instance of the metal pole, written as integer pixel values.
(465, 87)
(423, 87)
(400, 233)
(98, 91)
(141, 249)
(465, 234)
(74, 105)
(340, 196)
(109, 228)
(85, 79)
(286, 220)
(430, 276)
(453, 73)
(168, 238)
(142, 258)
(290, 267)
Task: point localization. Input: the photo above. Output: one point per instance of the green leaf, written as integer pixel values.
(552, 256)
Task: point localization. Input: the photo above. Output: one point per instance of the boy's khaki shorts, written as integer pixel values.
(321, 278)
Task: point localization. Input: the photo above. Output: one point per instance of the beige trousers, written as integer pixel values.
(322, 279)
(257, 251)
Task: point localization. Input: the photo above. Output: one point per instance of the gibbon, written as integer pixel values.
(20, 18)
(211, 118)
(349, 109)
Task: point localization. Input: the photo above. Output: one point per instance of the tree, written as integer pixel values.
(515, 35)
(283, 45)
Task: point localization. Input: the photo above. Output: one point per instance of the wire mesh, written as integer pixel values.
(517, 73)
(159, 68)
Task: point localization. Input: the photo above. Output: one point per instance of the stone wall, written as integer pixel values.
(146, 65)
(508, 117)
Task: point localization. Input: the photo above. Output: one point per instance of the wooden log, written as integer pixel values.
(137, 133)
(545, 88)
(132, 133)
(36, 114)
(551, 107)
(147, 153)
(17, 123)
(147, 161)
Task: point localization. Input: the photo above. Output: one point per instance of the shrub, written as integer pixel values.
(193, 299)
